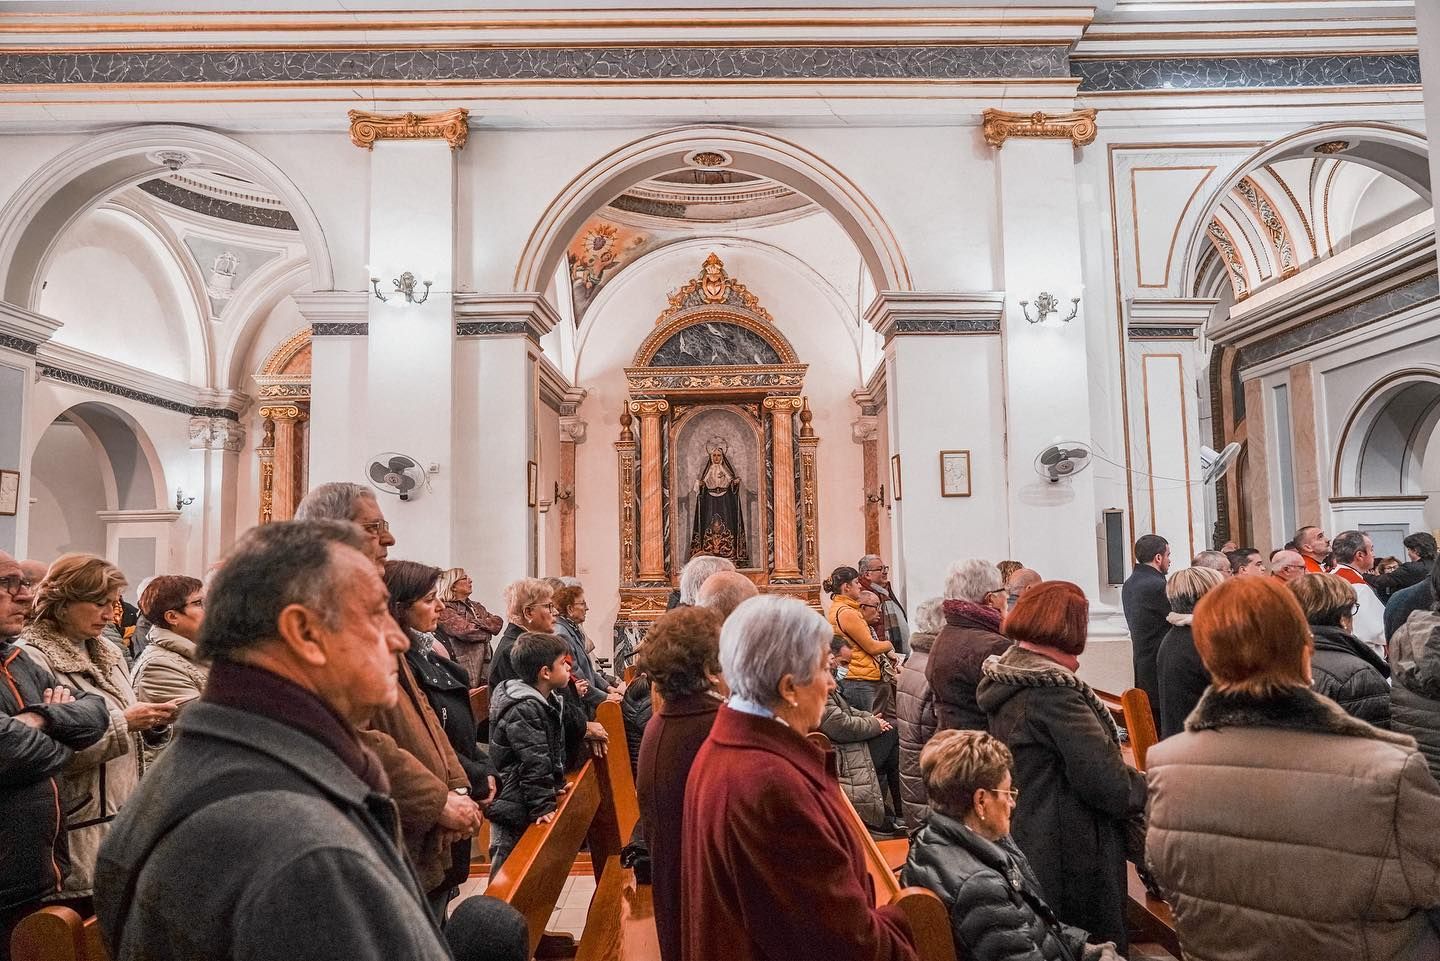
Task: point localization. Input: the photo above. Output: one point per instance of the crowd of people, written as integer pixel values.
(285, 754)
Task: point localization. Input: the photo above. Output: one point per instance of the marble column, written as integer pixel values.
(1304, 446)
(865, 431)
(287, 470)
(1046, 359)
(22, 332)
(572, 432)
(782, 411)
(652, 508)
(217, 442)
(1257, 470)
(1162, 357)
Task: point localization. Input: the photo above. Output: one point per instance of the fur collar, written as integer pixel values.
(1019, 667)
(1179, 620)
(1294, 709)
(96, 658)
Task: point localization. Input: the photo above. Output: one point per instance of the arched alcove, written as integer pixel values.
(1384, 442)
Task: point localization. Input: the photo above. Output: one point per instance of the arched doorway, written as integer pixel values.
(1383, 461)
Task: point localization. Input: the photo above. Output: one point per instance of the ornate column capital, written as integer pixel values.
(895, 312)
(572, 429)
(216, 433)
(1165, 318)
(649, 408)
(865, 429)
(1077, 126)
(782, 405)
(452, 126)
(282, 412)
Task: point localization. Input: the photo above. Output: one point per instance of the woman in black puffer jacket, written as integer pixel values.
(965, 855)
(1344, 668)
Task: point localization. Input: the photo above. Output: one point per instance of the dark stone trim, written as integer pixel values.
(104, 386)
(1162, 333)
(1385, 304)
(1231, 73)
(946, 326)
(339, 330)
(221, 209)
(18, 343)
(491, 328)
(576, 64)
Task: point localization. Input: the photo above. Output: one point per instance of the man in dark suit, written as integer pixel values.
(1143, 599)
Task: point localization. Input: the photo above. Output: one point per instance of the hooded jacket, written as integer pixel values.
(918, 722)
(1282, 827)
(1076, 792)
(1415, 694)
(33, 845)
(166, 669)
(848, 729)
(527, 750)
(1351, 674)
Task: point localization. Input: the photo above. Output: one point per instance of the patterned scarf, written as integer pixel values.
(979, 614)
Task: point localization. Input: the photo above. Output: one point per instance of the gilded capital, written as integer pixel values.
(782, 405)
(1077, 126)
(649, 408)
(451, 126)
(286, 412)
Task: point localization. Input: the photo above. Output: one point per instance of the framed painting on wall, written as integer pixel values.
(9, 493)
(532, 484)
(895, 477)
(954, 473)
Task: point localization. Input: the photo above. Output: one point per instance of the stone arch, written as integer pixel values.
(260, 295)
(1384, 442)
(749, 150)
(1398, 152)
(83, 176)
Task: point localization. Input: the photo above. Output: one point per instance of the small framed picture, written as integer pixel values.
(9, 493)
(954, 473)
(532, 484)
(895, 477)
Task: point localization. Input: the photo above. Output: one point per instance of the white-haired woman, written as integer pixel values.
(1180, 672)
(466, 628)
(530, 607)
(974, 606)
(778, 872)
(915, 709)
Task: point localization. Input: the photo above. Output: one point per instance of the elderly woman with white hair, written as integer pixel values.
(975, 603)
(778, 871)
(1179, 671)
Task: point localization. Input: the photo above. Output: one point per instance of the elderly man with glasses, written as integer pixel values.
(875, 576)
(41, 727)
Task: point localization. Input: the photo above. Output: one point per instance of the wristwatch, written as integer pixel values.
(462, 791)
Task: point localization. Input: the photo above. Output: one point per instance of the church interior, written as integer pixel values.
(585, 291)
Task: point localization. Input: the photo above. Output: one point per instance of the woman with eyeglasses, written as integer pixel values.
(1345, 669)
(861, 686)
(964, 853)
(975, 603)
(72, 608)
(168, 670)
(1078, 793)
(466, 628)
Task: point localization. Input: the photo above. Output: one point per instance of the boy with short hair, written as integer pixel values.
(527, 746)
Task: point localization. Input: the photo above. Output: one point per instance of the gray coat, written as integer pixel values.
(1415, 690)
(323, 874)
(917, 720)
(848, 729)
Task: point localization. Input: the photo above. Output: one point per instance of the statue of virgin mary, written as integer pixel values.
(719, 526)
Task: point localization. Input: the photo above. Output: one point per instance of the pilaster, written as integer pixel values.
(865, 431)
(652, 510)
(572, 432)
(782, 411)
(339, 380)
(22, 333)
(217, 442)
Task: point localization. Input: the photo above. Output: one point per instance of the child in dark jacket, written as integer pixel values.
(527, 742)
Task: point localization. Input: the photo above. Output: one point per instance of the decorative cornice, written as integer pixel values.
(334, 306)
(339, 330)
(1163, 74)
(216, 433)
(895, 312)
(687, 380)
(24, 330)
(1077, 126)
(79, 368)
(18, 343)
(452, 126)
(527, 314)
(142, 516)
(1166, 318)
(282, 386)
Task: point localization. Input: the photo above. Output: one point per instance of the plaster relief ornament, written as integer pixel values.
(221, 283)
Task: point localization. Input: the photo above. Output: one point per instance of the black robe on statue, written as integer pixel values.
(719, 526)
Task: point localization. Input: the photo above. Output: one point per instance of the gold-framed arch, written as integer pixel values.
(283, 388)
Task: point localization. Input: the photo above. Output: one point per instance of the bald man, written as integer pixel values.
(1286, 565)
(723, 592)
(1018, 583)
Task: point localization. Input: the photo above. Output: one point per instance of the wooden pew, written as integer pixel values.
(1140, 722)
(620, 925)
(57, 934)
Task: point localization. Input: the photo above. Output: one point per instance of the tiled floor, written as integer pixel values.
(570, 910)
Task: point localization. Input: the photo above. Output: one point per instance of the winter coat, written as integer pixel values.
(166, 669)
(917, 720)
(1415, 692)
(1404, 602)
(1351, 674)
(466, 630)
(1180, 674)
(778, 873)
(1076, 792)
(33, 845)
(527, 750)
(666, 756)
(1406, 575)
(635, 709)
(100, 779)
(1143, 599)
(848, 729)
(1282, 827)
(953, 670)
(997, 912)
(574, 636)
(295, 856)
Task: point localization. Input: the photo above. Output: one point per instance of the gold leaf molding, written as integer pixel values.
(451, 126)
(1077, 126)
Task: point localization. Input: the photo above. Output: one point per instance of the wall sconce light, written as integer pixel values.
(404, 284)
(1047, 304)
(181, 501)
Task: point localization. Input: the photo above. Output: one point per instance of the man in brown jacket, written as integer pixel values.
(427, 783)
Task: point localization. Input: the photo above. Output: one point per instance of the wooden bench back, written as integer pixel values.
(480, 703)
(1140, 722)
(57, 934)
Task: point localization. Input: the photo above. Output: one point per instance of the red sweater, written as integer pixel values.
(772, 870)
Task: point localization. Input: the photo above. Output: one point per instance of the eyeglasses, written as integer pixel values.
(198, 602)
(873, 607)
(883, 569)
(376, 528)
(14, 584)
(1354, 608)
(549, 607)
(1013, 792)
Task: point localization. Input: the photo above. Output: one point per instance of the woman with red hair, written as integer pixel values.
(1075, 791)
(1280, 826)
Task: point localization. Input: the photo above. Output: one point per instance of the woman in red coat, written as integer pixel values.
(773, 870)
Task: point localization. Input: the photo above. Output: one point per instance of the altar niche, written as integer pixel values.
(718, 464)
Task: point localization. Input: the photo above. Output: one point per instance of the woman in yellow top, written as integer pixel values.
(863, 680)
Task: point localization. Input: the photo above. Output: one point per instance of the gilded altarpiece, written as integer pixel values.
(283, 452)
(716, 452)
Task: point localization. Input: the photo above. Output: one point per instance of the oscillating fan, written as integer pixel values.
(394, 473)
(1214, 465)
(1062, 460)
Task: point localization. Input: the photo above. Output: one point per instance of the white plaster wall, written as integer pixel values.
(67, 490)
(118, 293)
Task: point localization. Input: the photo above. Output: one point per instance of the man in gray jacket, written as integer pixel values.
(266, 829)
